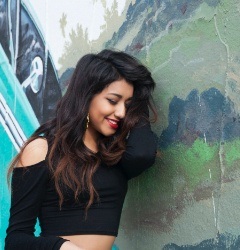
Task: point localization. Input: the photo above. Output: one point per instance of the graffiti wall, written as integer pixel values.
(190, 198)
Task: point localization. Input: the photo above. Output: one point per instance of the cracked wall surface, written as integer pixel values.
(190, 198)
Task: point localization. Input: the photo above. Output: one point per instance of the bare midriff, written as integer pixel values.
(92, 242)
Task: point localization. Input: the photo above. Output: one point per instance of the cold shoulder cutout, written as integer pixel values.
(29, 187)
(34, 153)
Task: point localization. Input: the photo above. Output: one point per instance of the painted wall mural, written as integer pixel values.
(190, 199)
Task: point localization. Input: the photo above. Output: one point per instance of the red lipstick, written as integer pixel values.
(112, 123)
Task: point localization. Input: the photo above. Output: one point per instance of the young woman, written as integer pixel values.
(72, 173)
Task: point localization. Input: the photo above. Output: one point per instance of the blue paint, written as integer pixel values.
(222, 242)
(207, 115)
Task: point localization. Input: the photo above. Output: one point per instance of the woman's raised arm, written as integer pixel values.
(140, 150)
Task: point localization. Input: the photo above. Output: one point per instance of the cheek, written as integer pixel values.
(100, 106)
(98, 110)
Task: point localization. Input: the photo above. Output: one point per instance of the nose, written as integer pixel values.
(120, 111)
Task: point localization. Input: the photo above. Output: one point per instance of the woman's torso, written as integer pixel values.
(100, 222)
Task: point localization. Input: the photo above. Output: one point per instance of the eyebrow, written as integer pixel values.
(120, 96)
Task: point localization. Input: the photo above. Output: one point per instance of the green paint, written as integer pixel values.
(193, 162)
(180, 61)
(180, 163)
(232, 153)
(183, 170)
(228, 19)
(149, 10)
(197, 161)
(205, 12)
(189, 36)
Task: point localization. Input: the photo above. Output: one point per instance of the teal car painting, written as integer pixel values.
(17, 122)
(29, 88)
(26, 49)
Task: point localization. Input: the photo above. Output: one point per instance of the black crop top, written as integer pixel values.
(34, 196)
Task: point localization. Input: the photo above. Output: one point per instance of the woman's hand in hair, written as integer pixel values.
(68, 245)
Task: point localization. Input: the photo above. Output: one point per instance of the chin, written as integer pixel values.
(108, 133)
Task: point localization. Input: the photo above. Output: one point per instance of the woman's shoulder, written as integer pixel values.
(34, 153)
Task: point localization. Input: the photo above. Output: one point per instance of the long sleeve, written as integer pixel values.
(28, 189)
(140, 150)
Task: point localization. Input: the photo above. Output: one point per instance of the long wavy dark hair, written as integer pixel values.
(65, 131)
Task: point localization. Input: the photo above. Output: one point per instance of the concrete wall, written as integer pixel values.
(190, 199)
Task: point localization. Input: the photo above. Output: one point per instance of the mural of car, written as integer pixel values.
(17, 122)
(29, 87)
(27, 52)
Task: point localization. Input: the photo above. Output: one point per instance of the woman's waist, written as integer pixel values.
(91, 241)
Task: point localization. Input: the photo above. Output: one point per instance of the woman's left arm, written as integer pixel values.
(140, 151)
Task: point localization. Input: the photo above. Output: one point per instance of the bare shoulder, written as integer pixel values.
(33, 153)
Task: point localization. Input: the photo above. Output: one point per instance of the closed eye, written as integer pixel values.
(112, 101)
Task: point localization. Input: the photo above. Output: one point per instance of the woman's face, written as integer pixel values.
(109, 107)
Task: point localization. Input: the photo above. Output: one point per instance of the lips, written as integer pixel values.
(112, 123)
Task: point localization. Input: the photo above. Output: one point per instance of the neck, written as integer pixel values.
(90, 140)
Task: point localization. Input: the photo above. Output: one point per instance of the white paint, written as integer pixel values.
(205, 139)
(11, 125)
(214, 211)
(213, 202)
(87, 13)
(210, 174)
